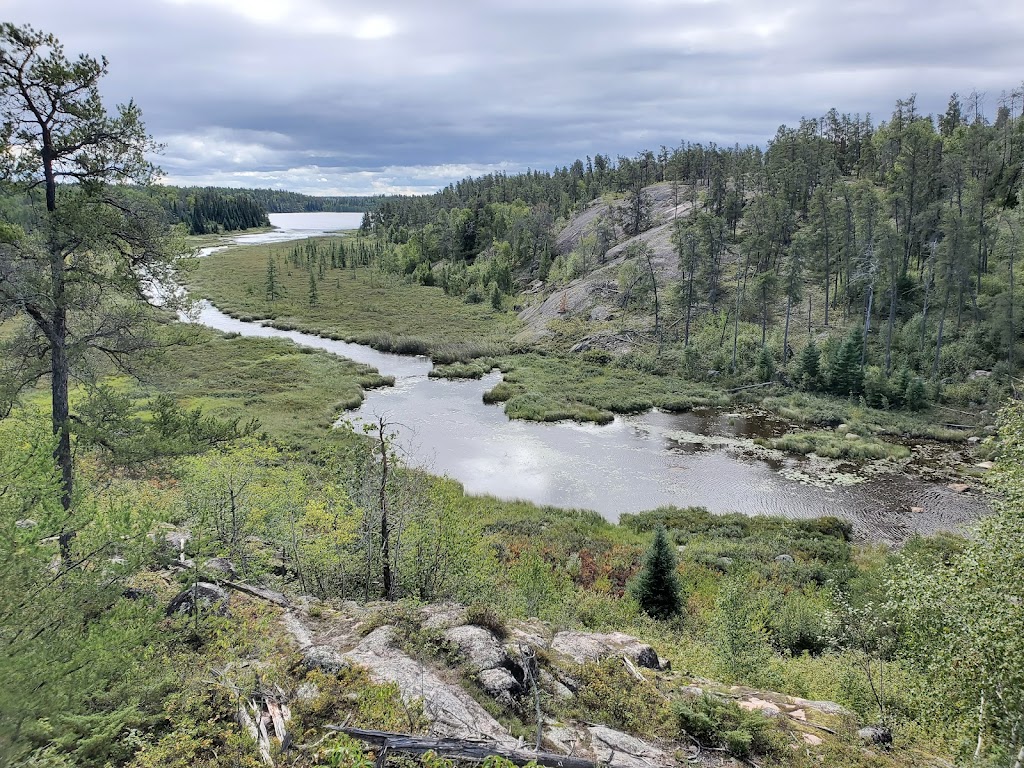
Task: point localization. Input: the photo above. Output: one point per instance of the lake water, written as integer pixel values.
(635, 463)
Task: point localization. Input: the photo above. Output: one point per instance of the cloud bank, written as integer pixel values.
(331, 97)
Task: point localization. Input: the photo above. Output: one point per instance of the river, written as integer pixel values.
(704, 458)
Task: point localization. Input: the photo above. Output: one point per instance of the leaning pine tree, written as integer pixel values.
(657, 586)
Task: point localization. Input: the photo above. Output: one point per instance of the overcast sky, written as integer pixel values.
(339, 97)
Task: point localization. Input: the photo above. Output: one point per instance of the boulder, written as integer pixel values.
(755, 704)
(442, 615)
(784, 559)
(25, 523)
(606, 746)
(878, 735)
(582, 647)
(500, 685)
(202, 595)
(478, 646)
(177, 540)
(554, 685)
(221, 565)
(958, 487)
(620, 750)
(324, 658)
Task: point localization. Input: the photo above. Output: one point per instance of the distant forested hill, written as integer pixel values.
(209, 210)
(279, 201)
(897, 246)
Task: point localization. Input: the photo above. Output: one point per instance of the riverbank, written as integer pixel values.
(456, 421)
(357, 304)
(365, 305)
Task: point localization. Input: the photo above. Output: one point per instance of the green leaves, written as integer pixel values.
(963, 620)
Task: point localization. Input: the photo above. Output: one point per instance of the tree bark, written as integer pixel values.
(458, 748)
(942, 324)
(385, 530)
(689, 306)
(828, 261)
(888, 327)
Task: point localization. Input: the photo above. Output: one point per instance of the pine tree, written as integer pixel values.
(847, 376)
(657, 586)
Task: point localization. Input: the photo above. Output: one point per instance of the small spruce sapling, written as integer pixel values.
(657, 588)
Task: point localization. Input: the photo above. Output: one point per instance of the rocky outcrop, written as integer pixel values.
(206, 597)
(332, 640)
(598, 290)
(221, 566)
(452, 711)
(478, 647)
(607, 746)
(582, 647)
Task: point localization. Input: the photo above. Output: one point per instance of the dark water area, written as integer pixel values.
(703, 458)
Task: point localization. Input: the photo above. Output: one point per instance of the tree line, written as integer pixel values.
(907, 230)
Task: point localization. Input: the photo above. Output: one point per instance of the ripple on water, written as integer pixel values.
(704, 458)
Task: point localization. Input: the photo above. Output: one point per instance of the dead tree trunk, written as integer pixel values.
(457, 748)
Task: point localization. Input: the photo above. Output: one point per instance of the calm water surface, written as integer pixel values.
(632, 464)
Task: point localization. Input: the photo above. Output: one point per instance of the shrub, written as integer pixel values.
(722, 724)
(486, 615)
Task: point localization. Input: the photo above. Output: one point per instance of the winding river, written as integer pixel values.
(635, 463)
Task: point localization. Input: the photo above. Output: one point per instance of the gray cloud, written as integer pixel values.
(332, 96)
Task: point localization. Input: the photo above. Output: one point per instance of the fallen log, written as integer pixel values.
(458, 748)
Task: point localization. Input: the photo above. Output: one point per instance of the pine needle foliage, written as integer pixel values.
(657, 587)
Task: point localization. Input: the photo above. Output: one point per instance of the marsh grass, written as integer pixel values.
(835, 445)
(359, 305)
(296, 393)
(832, 412)
(551, 387)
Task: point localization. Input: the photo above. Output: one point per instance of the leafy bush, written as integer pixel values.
(607, 694)
(722, 724)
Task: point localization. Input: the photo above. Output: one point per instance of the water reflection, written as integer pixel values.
(634, 463)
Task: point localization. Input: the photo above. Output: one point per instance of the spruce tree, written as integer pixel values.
(808, 366)
(273, 290)
(657, 586)
(314, 297)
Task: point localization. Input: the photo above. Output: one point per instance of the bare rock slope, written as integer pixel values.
(596, 294)
(499, 665)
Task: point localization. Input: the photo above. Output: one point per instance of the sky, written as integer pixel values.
(405, 96)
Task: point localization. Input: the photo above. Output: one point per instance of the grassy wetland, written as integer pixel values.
(354, 303)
